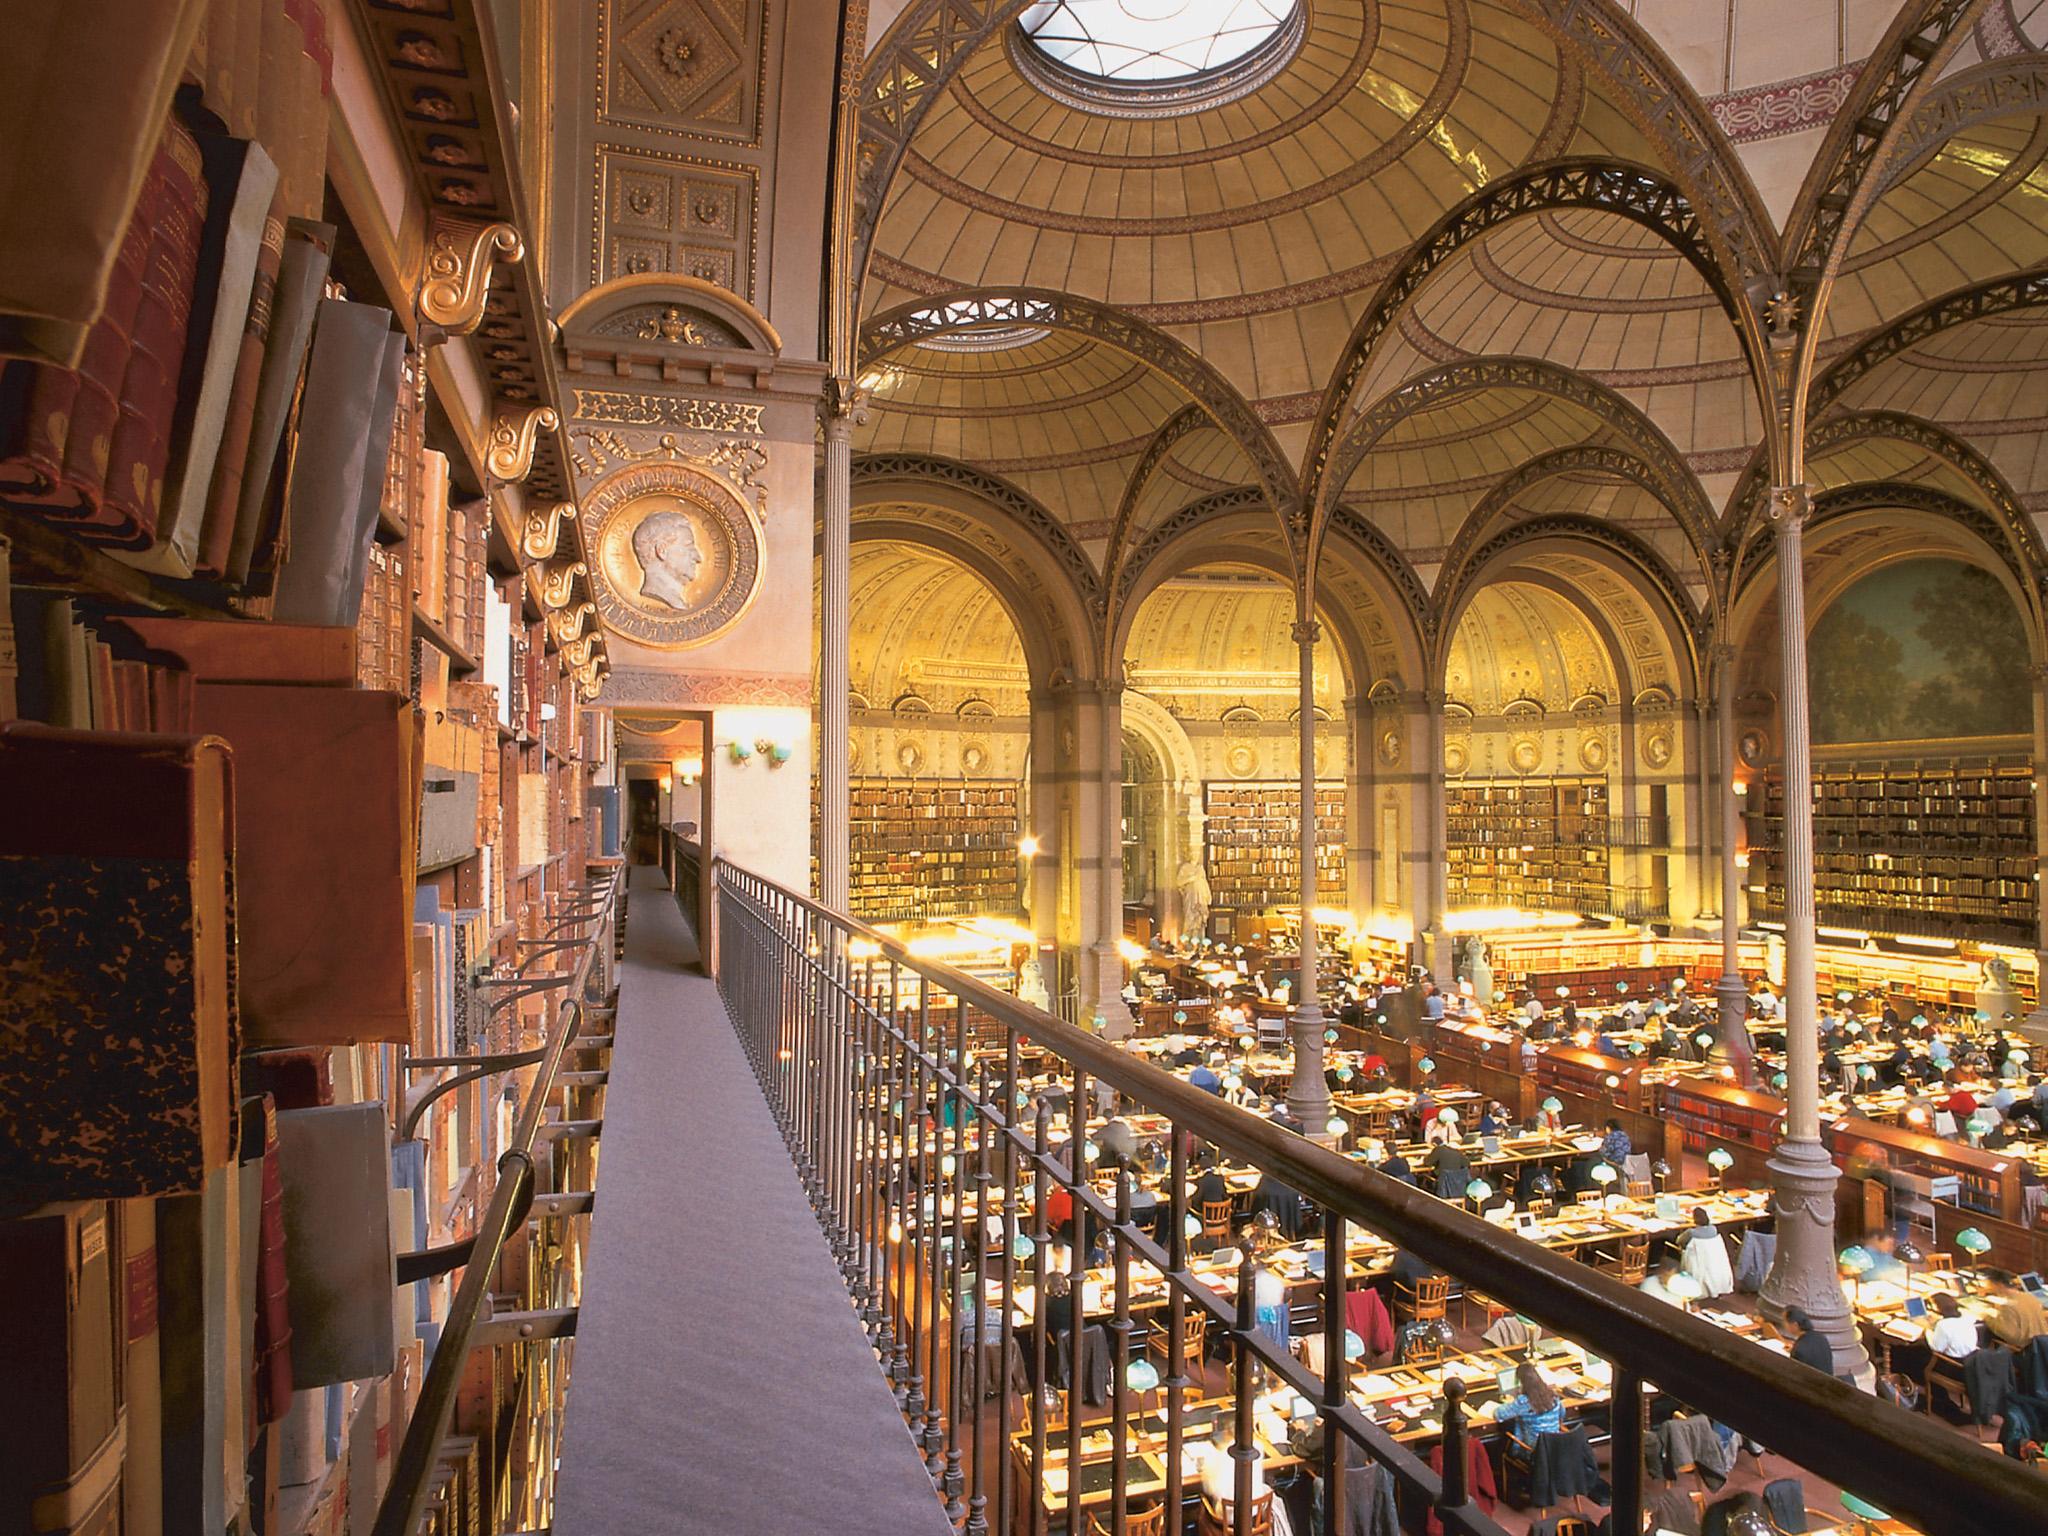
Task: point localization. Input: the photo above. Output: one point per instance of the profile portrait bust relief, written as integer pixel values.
(666, 546)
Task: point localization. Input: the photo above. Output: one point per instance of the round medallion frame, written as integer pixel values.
(728, 543)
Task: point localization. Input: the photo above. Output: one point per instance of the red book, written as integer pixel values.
(59, 422)
(149, 389)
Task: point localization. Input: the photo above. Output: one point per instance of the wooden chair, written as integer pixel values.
(1633, 1262)
(1494, 1309)
(1641, 1189)
(1573, 1525)
(1219, 1516)
(1215, 1216)
(1428, 1301)
(1944, 1377)
(1148, 1521)
(1194, 1335)
(1590, 1197)
(1941, 1264)
(1428, 1351)
(1539, 1208)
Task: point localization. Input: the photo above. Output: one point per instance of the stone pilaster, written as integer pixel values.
(1732, 1047)
(843, 406)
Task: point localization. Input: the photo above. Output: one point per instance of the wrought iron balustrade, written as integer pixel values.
(857, 1041)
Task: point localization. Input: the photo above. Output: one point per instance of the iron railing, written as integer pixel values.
(580, 924)
(855, 1041)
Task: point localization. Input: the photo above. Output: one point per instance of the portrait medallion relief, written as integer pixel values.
(675, 555)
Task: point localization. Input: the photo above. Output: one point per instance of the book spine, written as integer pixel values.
(142, 1494)
(430, 560)
(149, 388)
(217, 527)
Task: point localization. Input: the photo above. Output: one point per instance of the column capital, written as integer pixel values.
(1307, 631)
(844, 406)
(1789, 507)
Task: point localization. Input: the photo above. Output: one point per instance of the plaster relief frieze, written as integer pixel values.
(623, 408)
(647, 685)
(686, 67)
(742, 461)
(653, 211)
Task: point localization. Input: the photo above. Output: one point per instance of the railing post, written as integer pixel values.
(1455, 1494)
(1336, 1363)
(1626, 1411)
(1244, 1448)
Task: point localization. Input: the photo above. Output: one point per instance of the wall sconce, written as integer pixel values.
(741, 751)
(776, 752)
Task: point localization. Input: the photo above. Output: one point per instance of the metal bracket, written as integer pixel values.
(524, 1327)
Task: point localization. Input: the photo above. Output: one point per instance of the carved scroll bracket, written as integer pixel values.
(457, 279)
(558, 583)
(510, 456)
(544, 529)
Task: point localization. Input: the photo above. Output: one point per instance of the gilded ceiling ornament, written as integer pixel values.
(544, 527)
(579, 653)
(558, 583)
(1789, 506)
(510, 456)
(675, 554)
(675, 51)
(672, 325)
(457, 280)
(567, 623)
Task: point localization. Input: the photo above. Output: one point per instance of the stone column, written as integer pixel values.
(842, 407)
(1040, 857)
(1308, 1095)
(1731, 1048)
(1803, 1176)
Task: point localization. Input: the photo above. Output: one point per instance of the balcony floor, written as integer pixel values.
(722, 1381)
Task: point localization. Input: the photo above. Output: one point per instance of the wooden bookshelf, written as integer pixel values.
(934, 848)
(1936, 847)
(1252, 844)
(1538, 844)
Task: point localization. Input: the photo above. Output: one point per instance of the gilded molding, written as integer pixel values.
(510, 456)
(544, 527)
(579, 653)
(457, 280)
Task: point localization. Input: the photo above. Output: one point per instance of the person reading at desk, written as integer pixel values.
(2020, 1318)
(1658, 1282)
(1951, 1333)
(1615, 1146)
(1809, 1345)
(1536, 1408)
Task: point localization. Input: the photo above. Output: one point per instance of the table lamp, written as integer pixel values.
(1603, 1173)
(1553, 1106)
(1660, 1174)
(1344, 1074)
(1719, 1161)
(1337, 1126)
(1141, 1376)
(1191, 1225)
(1180, 1016)
(1425, 1066)
(1021, 1246)
(1867, 1514)
(1354, 1346)
(1856, 1261)
(1704, 1039)
(1479, 1192)
(1973, 1242)
(1329, 1037)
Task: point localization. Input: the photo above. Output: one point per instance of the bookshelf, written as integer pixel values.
(1252, 844)
(1933, 847)
(350, 603)
(1538, 844)
(934, 848)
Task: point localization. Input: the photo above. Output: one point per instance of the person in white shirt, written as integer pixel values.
(1219, 1467)
(1953, 1334)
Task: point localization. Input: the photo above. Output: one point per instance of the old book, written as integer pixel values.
(127, 516)
(229, 651)
(224, 494)
(308, 250)
(326, 795)
(116, 1008)
(57, 424)
(84, 87)
(430, 538)
(60, 1284)
(241, 182)
(199, 1244)
(341, 1268)
(142, 1499)
(338, 463)
(10, 660)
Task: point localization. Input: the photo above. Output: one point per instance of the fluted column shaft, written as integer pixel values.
(1732, 1046)
(1308, 1096)
(1803, 1176)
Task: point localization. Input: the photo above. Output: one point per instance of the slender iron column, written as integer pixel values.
(1803, 1176)
(1308, 1094)
(843, 407)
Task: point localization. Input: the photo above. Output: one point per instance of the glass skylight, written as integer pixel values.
(1134, 42)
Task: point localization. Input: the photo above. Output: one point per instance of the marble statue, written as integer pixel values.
(1997, 997)
(1191, 887)
(1031, 984)
(1479, 970)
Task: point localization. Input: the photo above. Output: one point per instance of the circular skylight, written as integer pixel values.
(1139, 56)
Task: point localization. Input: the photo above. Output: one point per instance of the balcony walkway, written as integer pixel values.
(722, 1382)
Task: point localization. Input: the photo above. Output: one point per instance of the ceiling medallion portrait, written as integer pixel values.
(675, 556)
